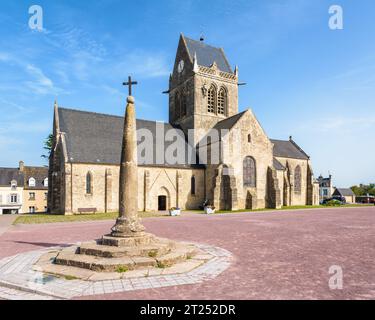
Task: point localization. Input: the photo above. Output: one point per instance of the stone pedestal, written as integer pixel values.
(121, 254)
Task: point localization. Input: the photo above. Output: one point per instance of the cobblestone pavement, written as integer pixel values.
(276, 255)
(6, 221)
(18, 280)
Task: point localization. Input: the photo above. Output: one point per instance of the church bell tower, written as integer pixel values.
(203, 89)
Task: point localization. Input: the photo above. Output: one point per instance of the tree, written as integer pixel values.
(363, 190)
(48, 142)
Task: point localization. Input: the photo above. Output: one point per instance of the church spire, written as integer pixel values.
(195, 63)
(56, 117)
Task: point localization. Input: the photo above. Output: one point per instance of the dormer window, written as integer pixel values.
(45, 182)
(32, 182)
(13, 184)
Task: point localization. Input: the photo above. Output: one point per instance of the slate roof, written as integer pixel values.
(38, 173)
(228, 123)
(9, 174)
(97, 138)
(277, 165)
(206, 54)
(345, 192)
(288, 149)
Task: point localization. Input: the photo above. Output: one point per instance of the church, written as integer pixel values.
(251, 171)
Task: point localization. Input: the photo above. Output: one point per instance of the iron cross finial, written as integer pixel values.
(130, 83)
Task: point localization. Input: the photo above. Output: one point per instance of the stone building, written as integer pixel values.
(35, 189)
(23, 189)
(250, 171)
(344, 193)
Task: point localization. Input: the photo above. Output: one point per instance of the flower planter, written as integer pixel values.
(209, 210)
(174, 212)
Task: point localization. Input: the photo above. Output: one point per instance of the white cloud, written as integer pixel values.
(41, 83)
(12, 105)
(73, 41)
(40, 76)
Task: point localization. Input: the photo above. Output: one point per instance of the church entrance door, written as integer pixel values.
(162, 203)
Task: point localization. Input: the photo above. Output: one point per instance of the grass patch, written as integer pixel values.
(161, 265)
(284, 208)
(70, 278)
(152, 254)
(53, 218)
(122, 269)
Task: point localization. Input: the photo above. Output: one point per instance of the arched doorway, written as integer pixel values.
(162, 203)
(163, 199)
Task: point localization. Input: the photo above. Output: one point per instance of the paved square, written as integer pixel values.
(277, 255)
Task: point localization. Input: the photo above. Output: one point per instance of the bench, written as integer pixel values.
(87, 210)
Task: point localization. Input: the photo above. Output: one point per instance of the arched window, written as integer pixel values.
(88, 183)
(193, 185)
(249, 172)
(297, 179)
(32, 182)
(45, 182)
(183, 104)
(249, 138)
(222, 102)
(211, 100)
(177, 105)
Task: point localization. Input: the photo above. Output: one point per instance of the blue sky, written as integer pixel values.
(303, 79)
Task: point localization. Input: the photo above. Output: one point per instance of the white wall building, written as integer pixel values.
(325, 187)
(11, 190)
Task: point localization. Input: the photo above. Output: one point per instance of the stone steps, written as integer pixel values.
(93, 249)
(121, 264)
(100, 263)
(141, 239)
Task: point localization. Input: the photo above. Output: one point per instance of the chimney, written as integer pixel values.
(21, 165)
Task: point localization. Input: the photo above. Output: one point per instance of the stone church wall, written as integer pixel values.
(297, 198)
(236, 148)
(173, 183)
(260, 148)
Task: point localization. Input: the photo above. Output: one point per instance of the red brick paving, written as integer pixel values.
(280, 255)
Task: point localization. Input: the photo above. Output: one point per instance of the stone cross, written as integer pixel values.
(128, 223)
(130, 83)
